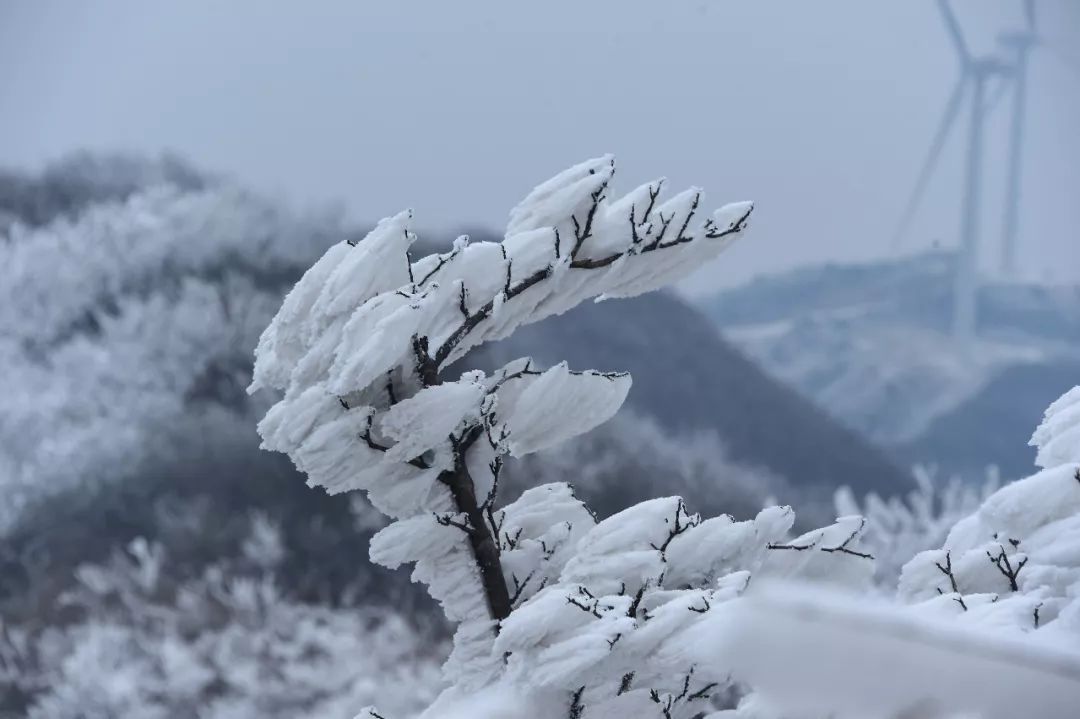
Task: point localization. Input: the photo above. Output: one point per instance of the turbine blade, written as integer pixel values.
(1029, 12)
(953, 27)
(952, 108)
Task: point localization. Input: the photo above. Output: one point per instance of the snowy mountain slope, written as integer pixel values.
(870, 344)
(1001, 409)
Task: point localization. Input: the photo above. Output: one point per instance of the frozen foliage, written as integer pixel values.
(897, 528)
(1014, 564)
(569, 616)
(228, 644)
(815, 654)
(988, 624)
(151, 305)
(1058, 437)
(612, 630)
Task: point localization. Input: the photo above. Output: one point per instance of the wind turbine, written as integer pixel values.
(1019, 44)
(976, 72)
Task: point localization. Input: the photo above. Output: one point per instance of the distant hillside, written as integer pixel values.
(870, 344)
(67, 187)
(689, 379)
(1002, 409)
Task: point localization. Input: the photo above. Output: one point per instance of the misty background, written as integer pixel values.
(819, 111)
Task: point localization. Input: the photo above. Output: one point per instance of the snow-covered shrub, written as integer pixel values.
(1014, 564)
(987, 625)
(816, 654)
(228, 644)
(573, 617)
(898, 528)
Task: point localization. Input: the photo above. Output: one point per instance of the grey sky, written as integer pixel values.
(819, 111)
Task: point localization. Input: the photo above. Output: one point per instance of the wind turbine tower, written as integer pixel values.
(1019, 45)
(976, 74)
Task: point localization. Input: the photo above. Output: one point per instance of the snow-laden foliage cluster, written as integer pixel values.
(809, 653)
(898, 528)
(582, 619)
(228, 644)
(604, 612)
(1015, 563)
(987, 625)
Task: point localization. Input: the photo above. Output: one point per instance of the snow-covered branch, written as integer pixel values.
(360, 343)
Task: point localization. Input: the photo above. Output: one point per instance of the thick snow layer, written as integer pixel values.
(371, 342)
(505, 700)
(379, 263)
(1058, 437)
(829, 554)
(1013, 565)
(428, 417)
(551, 202)
(282, 343)
(407, 540)
(719, 546)
(560, 404)
(538, 533)
(811, 652)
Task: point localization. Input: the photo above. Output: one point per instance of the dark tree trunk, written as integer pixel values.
(484, 547)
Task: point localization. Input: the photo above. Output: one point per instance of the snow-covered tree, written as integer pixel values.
(554, 612)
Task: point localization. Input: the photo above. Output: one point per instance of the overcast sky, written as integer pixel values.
(819, 111)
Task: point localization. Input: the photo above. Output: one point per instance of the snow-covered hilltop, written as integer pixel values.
(870, 343)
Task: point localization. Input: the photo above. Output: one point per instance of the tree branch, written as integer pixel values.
(947, 570)
(510, 291)
(417, 462)
(484, 547)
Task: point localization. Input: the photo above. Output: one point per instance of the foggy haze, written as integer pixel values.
(819, 111)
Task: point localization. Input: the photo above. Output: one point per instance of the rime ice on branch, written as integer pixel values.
(1014, 564)
(359, 348)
